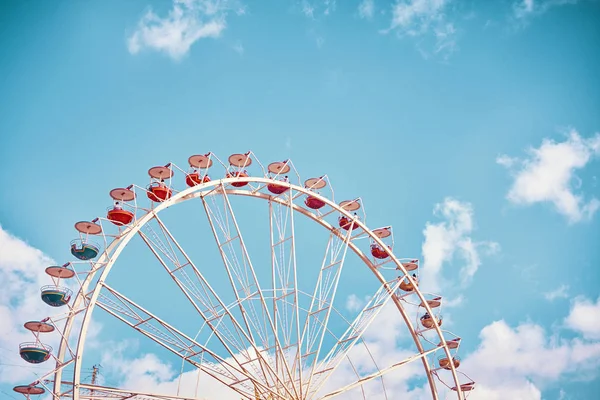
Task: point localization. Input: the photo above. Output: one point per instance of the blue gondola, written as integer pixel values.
(84, 250)
(34, 353)
(56, 296)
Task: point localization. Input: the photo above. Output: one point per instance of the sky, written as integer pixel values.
(472, 128)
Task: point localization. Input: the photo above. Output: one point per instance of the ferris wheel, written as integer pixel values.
(271, 319)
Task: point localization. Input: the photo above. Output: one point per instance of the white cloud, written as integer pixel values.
(526, 8)
(547, 175)
(585, 318)
(148, 373)
(187, 22)
(561, 292)
(366, 9)
(523, 390)
(354, 303)
(452, 237)
(519, 362)
(506, 161)
(21, 274)
(387, 328)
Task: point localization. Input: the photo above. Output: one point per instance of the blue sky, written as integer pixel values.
(469, 127)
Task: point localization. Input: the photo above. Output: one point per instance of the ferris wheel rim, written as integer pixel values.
(117, 245)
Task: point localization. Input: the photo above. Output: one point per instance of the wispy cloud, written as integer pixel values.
(316, 8)
(239, 48)
(315, 35)
(417, 16)
(524, 9)
(548, 175)
(316, 11)
(561, 292)
(366, 9)
(425, 19)
(308, 9)
(454, 302)
(445, 40)
(320, 42)
(187, 22)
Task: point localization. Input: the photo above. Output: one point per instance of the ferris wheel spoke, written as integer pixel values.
(317, 319)
(179, 344)
(247, 290)
(205, 300)
(198, 292)
(354, 333)
(380, 373)
(286, 314)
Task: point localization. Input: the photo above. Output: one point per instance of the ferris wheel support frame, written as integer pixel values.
(113, 250)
